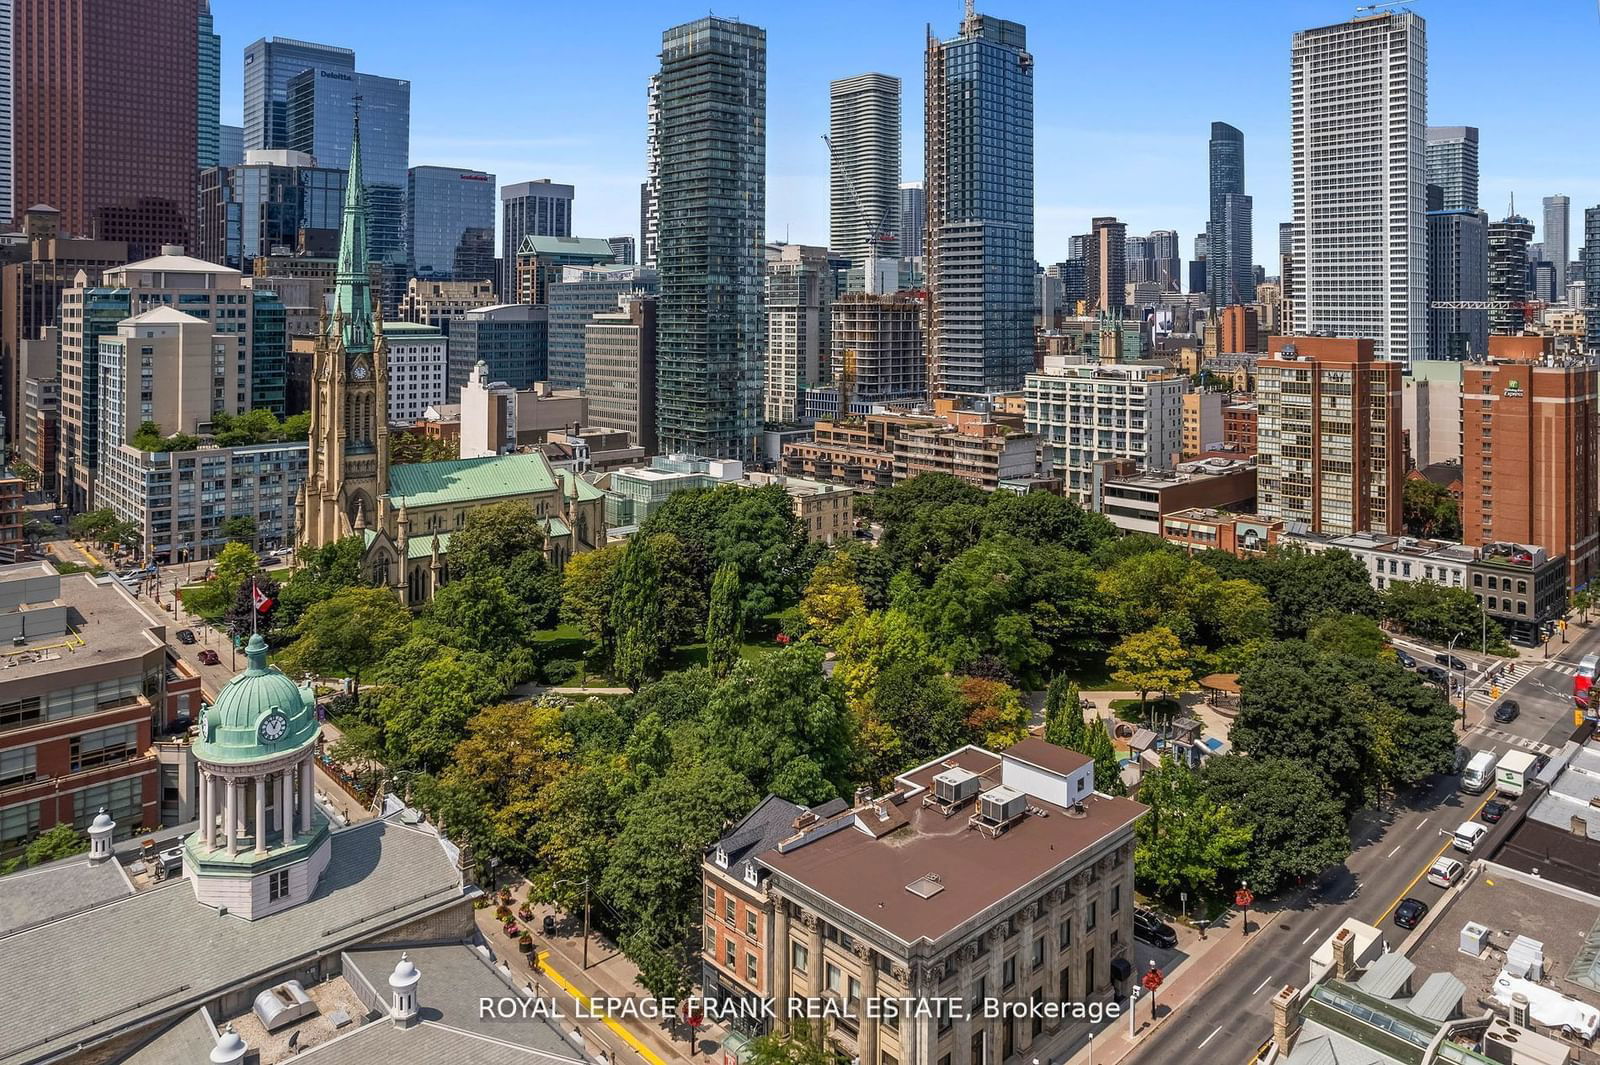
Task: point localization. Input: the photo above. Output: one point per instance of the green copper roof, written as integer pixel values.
(232, 727)
(432, 484)
(585, 489)
(352, 293)
(595, 248)
(420, 545)
(555, 527)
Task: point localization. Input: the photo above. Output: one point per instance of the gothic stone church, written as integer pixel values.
(407, 513)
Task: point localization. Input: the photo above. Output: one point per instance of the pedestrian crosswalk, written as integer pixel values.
(1517, 741)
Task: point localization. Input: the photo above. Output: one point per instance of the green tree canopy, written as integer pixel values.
(832, 596)
(1186, 840)
(725, 622)
(1429, 510)
(587, 585)
(1347, 634)
(636, 616)
(506, 540)
(1438, 614)
(1063, 714)
(1151, 661)
(1298, 829)
(348, 633)
(476, 613)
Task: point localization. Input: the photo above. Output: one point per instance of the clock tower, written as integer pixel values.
(348, 466)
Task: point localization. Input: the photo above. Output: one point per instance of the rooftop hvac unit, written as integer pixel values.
(1525, 958)
(955, 785)
(1001, 806)
(1474, 939)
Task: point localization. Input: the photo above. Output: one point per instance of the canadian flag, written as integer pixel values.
(262, 600)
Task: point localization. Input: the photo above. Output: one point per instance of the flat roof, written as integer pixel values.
(1510, 903)
(868, 872)
(107, 625)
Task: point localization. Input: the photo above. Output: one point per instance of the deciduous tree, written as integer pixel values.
(725, 621)
(348, 633)
(1298, 829)
(1151, 661)
(1063, 714)
(1186, 840)
(636, 616)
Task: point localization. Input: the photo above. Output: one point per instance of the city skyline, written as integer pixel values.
(1152, 177)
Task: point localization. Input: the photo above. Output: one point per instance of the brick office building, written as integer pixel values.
(1528, 452)
(979, 876)
(1329, 448)
(87, 687)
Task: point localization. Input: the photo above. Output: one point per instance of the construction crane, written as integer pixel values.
(1368, 8)
(880, 234)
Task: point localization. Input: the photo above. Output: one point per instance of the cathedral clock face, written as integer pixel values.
(360, 372)
(273, 727)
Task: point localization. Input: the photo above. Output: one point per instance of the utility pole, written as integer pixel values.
(586, 924)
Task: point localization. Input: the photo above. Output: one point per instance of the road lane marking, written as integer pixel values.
(1423, 823)
(578, 996)
(1396, 850)
(1424, 870)
(1209, 1038)
(1262, 984)
(1312, 936)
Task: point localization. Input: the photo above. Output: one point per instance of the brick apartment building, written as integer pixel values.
(980, 876)
(1329, 447)
(1528, 452)
(88, 689)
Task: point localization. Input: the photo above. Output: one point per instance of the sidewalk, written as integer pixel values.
(611, 974)
(1207, 957)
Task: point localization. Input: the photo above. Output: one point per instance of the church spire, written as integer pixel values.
(352, 299)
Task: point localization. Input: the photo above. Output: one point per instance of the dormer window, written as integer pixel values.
(750, 873)
(721, 858)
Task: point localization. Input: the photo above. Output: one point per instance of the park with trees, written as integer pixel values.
(741, 660)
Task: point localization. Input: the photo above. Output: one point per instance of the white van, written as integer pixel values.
(1479, 773)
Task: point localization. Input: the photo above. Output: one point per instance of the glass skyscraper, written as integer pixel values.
(450, 224)
(713, 208)
(978, 177)
(321, 110)
(1458, 263)
(269, 63)
(246, 211)
(1230, 246)
(209, 70)
(1452, 161)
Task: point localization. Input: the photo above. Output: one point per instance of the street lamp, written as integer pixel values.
(1242, 899)
(1451, 655)
(573, 880)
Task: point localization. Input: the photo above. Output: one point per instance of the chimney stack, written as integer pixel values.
(101, 830)
(863, 796)
(1285, 1017)
(1344, 954)
(403, 993)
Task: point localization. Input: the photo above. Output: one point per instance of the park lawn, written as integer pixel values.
(1096, 678)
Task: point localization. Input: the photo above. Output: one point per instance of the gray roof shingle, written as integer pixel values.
(84, 978)
(35, 896)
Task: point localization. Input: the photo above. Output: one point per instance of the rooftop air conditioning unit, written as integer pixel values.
(1001, 805)
(1474, 939)
(955, 785)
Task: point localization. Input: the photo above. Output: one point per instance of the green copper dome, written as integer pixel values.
(259, 714)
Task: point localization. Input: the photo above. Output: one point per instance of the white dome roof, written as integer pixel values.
(229, 1048)
(405, 973)
(102, 821)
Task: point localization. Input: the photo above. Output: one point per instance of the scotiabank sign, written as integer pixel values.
(474, 177)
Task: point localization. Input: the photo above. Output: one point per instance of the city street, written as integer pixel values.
(1231, 1018)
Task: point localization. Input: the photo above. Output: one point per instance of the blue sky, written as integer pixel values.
(1125, 94)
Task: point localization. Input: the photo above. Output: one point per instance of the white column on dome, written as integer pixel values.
(230, 817)
(286, 804)
(261, 814)
(200, 815)
(306, 798)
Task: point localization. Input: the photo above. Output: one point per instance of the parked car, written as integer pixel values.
(1148, 926)
(1468, 835)
(1410, 912)
(1445, 871)
(185, 636)
(1507, 712)
(1451, 661)
(1404, 659)
(209, 657)
(1494, 810)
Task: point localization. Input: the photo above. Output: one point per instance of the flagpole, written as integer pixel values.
(255, 605)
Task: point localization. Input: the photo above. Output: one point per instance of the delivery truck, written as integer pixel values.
(1511, 778)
